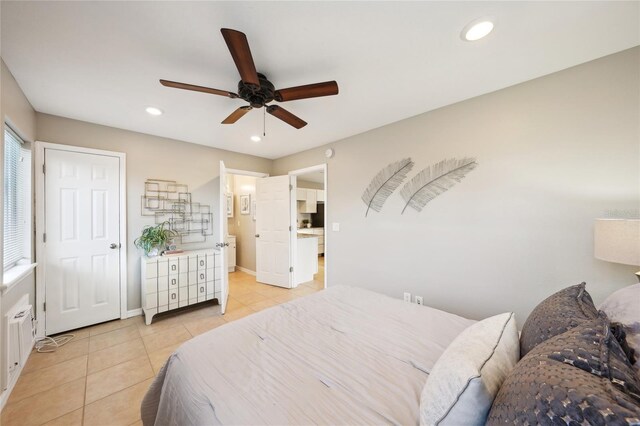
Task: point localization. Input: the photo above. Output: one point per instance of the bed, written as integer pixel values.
(340, 356)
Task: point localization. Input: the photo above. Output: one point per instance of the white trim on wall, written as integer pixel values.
(40, 228)
(325, 170)
(247, 173)
(246, 270)
(134, 313)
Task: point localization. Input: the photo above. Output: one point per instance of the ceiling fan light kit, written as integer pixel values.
(255, 88)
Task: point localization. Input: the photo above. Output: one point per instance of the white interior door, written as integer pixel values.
(82, 223)
(223, 231)
(273, 243)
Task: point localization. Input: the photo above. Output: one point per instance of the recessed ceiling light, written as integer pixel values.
(153, 111)
(477, 29)
(256, 138)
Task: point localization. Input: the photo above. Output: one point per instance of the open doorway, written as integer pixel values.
(310, 223)
(240, 195)
(251, 199)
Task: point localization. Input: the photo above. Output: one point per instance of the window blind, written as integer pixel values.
(17, 164)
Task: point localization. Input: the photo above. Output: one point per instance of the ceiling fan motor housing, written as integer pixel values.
(257, 98)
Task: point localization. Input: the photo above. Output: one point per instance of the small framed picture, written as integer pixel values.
(245, 204)
(229, 204)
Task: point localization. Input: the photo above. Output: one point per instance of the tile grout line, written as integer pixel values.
(86, 383)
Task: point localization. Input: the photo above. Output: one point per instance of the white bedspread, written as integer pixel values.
(340, 356)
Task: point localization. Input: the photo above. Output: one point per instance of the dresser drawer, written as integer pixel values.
(204, 276)
(177, 280)
(150, 269)
(174, 266)
(202, 292)
(150, 301)
(173, 299)
(151, 285)
(211, 287)
(163, 298)
(193, 294)
(193, 263)
(163, 283)
(183, 294)
(163, 267)
(202, 262)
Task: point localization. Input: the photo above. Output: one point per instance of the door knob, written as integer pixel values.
(257, 235)
(114, 246)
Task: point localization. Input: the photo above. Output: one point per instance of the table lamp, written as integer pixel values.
(618, 241)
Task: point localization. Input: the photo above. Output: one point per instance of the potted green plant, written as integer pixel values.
(155, 238)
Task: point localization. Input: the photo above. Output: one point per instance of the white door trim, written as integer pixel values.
(325, 169)
(40, 228)
(247, 173)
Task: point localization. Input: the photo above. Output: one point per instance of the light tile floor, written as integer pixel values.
(101, 376)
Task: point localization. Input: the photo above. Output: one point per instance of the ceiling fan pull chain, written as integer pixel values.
(264, 122)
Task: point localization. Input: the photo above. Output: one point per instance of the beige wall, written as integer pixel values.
(15, 110)
(151, 157)
(301, 183)
(554, 154)
(243, 226)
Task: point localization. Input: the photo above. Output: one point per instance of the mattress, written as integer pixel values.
(340, 356)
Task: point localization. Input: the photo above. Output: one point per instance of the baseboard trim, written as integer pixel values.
(134, 313)
(246, 271)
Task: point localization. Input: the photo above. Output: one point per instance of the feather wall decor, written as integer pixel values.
(384, 183)
(434, 180)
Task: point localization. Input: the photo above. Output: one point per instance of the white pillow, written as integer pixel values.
(623, 306)
(466, 378)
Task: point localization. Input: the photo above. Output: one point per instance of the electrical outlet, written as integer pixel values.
(407, 297)
(418, 300)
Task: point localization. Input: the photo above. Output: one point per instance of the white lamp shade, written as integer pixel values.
(617, 240)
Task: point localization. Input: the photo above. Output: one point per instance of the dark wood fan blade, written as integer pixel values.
(237, 115)
(327, 88)
(286, 116)
(185, 86)
(241, 54)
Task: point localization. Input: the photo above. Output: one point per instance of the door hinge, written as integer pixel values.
(44, 306)
(290, 268)
(44, 237)
(289, 227)
(290, 187)
(44, 168)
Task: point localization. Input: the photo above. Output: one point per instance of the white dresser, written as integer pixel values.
(174, 281)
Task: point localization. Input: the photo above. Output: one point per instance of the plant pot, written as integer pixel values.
(154, 252)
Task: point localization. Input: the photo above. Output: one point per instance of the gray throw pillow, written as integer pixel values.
(556, 314)
(578, 377)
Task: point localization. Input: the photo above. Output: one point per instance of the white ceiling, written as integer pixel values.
(101, 61)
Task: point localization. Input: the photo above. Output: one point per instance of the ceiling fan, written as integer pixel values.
(255, 88)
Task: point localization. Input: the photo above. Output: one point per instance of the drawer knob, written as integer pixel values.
(173, 267)
(201, 289)
(202, 263)
(202, 276)
(173, 281)
(173, 295)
